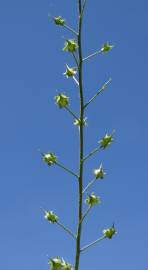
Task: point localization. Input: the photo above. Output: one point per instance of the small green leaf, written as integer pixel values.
(62, 100)
(70, 45)
(59, 20)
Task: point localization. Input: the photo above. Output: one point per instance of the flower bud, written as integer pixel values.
(49, 158)
(70, 71)
(99, 173)
(106, 141)
(59, 264)
(77, 122)
(108, 233)
(106, 47)
(62, 100)
(51, 217)
(70, 45)
(92, 199)
(59, 20)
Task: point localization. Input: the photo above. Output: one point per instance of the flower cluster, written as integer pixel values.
(70, 72)
(106, 141)
(92, 199)
(49, 158)
(59, 20)
(51, 217)
(106, 47)
(99, 173)
(77, 122)
(70, 45)
(108, 233)
(59, 264)
(62, 100)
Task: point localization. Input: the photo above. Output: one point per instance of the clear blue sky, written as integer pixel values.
(31, 67)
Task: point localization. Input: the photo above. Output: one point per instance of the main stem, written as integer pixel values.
(80, 183)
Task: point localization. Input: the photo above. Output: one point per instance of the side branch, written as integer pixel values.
(98, 93)
(73, 114)
(92, 153)
(89, 185)
(66, 229)
(70, 29)
(93, 243)
(86, 213)
(92, 55)
(66, 169)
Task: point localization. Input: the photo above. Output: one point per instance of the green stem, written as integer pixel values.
(66, 229)
(86, 213)
(92, 55)
(73, 114)
(66, 169)
(70, 29)
(93, 243)
(91, 153)
(89, 185)
(80, 187)
(98, 93)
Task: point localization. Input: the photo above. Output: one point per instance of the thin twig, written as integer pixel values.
(66, 229)
(92, 55)
(83, 7)
(93, 243)
(74, 78)
(92, 152)
(73, 114)
(89, 185)
(76, 60)
(99, 92)
(86, 213)
(70, 29)
(66, 169)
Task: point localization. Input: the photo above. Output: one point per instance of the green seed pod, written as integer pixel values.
(92, 199)
(49, 158)
(106, 141)
(99, 173)
(62, 100)
(59, 21)
(106, 47)
(108, 233)
(70, 72)
(70, 45)
(51, 217)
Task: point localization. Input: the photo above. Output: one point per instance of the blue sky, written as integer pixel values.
(31, 67)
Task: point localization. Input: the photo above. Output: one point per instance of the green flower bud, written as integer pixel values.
(51, 217)
(106, 47)
(66, 266)
(92, 199)
(55, 264)
(59, 264)
(70, 71)
(77, 122)
(62, 100)
(106, 141)
(70, 45)
(99, 173)
(59, 20)
(49, 158)
(108, 233)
